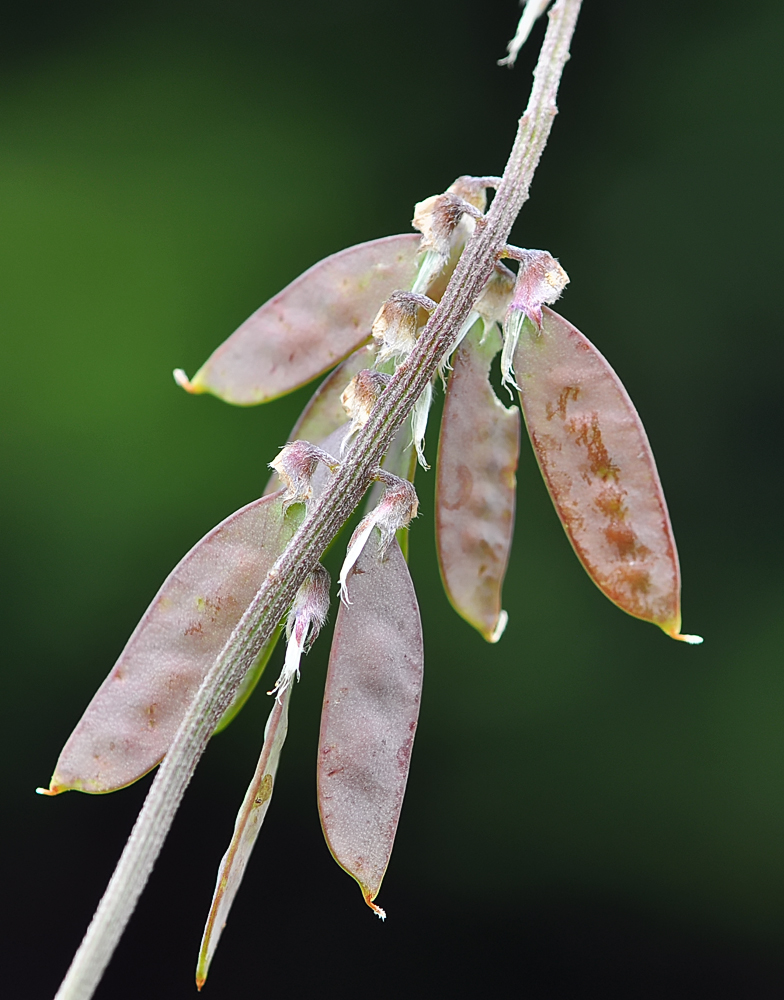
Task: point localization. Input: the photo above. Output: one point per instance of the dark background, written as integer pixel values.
(593, 810)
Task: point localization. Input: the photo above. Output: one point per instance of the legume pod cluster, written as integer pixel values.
(362, 310)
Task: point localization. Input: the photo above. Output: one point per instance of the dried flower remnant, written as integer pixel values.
(493, 303)
(446, 222)
(400, 460)
(324, 413)
(369, 717)
(598, 466)
(395, 329)
(296, 464)
(396, 509)
(437, 219)
(361, 395)
(303, 624)
(397, 323)
(540, 279)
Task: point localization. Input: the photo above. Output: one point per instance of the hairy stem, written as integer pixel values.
(325, 518)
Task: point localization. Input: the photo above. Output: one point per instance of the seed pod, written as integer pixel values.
(311, 325)
(475, 486)
(599, 468)
(130, 723)
(246, 830)
(371, 706)
(305, 619)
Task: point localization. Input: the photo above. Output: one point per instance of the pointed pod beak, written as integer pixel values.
(185, 383)
(381, 914)
(693, 640)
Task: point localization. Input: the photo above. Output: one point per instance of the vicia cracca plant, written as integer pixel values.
(392, 321)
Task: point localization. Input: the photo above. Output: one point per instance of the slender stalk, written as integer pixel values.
(325, 519)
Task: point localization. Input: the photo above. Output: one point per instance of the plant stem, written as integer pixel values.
(325, 518)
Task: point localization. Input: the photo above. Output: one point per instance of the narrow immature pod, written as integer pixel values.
(305, 619)
(599, 468)
(130, 722)
(310, 326)
(246, 830)
(369, 718)
(475, 486)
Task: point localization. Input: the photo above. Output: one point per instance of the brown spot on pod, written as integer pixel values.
(599, 468)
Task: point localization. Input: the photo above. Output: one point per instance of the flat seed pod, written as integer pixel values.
(310, 326)
(475, 486)
(130, 723)
(246, 830)
(369, 718)
(324, 413)
(599, 468)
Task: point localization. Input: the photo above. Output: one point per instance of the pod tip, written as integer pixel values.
(500, 626)
(672, 628)
(185, 383)
(48, 791)
(381, 914)
(693, 640)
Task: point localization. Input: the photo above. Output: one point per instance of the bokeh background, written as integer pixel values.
(593, 810)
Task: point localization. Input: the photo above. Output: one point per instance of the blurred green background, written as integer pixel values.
(593, 810)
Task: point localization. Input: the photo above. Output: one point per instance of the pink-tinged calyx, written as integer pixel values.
(305, 620)
(446, 222)
(396, 509)
(296, 465)
(540, 281)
